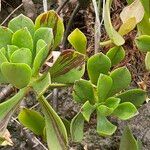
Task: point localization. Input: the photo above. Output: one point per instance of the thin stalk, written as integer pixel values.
(97, 26)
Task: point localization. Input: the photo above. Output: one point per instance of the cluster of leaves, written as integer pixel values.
(105, 93)
(24, 49)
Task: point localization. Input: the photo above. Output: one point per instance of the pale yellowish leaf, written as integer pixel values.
(136, 10)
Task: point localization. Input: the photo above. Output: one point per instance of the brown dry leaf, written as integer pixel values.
(5, 139)
(136, 10)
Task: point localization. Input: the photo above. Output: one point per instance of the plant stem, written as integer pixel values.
(105, 43)
(62, 6)
(97, 26)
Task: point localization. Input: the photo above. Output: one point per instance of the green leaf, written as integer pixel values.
(127, 26)
(5, 36)
(39, 45)
(7, 109)
(147, 61)
(128, 141)
(83, 91)
(40, 58)
(103, 87)
(116, 55)
(78, 40)
(23, 39)
(125, 111)
(144, 26)
(22, 55)
(87, 109)
(2, 59)
(11, 49)
(97, 64)
(46, 35)
(55, 130)
(41, 84)
(135, 96)
(52, 20)
(17, 74)
(76, 128)
(146, 4)
(68, 68)
(112, 102)
(113, 34)
(121, 79)
(142, 43)
(32, 120)
(21, 22)
(104, 127)
(104, 110)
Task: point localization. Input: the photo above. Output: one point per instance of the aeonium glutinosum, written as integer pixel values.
(24, 48)
(106, 93)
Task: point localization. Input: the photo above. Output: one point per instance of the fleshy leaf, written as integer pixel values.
(112, 102)
(7, 109)
(133, 10)
(113, 34)
(5, 36)
(116, 55)
(39, 45)
(143, 43)
(11, 49)
(68, 68)
(40, 58)
(55, 130)
(97, 64)
(76, 127)
(121, 79)
(104, 110)
(78, 40)
(127, 26)
(21, 22)
(52, 20)
(41, 84)
(135, 96)
(87, 109)
(128, 142)
(2, 59)
(147, 61)
(23, 39)
(22, 55)
(104, 85)
(83, 91)
(146, 4)
(125, 111)
(144, 26)
(46, 35)
(104, 127)
(32, 120)
(17, 74)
